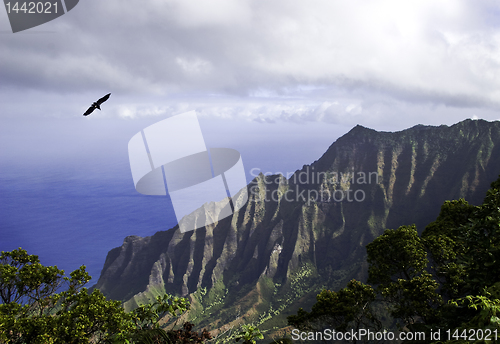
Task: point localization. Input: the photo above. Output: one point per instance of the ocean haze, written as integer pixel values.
(70, 221)
(67, 193)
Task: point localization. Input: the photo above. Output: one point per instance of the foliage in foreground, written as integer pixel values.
(34, 310)
(447, 278)
(249, 334)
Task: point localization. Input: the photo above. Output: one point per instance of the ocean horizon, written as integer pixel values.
(70, 201)
(70, 217)
(69, 220)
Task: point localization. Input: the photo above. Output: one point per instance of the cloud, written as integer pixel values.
(358, 53)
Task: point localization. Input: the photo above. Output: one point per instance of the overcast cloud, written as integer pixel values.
(277, 80)
(384, 64)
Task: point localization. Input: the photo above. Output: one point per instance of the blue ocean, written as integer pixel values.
(71, 217)
(70, 220)
(67, 195)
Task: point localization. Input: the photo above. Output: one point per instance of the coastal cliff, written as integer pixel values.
(298, 234)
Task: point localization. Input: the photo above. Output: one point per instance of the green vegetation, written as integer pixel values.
(258, 266)
(445, 279)
(248, 334)
(348, 308)
(252, 266)
(34, 310)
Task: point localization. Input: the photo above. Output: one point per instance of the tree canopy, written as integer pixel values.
(39, 304)
(446, 278)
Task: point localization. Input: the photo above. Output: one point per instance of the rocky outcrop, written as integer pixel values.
(297, 235)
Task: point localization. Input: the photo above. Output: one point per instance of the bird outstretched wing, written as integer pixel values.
(103, 99)
(96, 105)
(89, 111)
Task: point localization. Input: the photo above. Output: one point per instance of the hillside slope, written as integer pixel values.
(298, 235)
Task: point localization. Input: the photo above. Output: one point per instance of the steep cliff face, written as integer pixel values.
(298, 235)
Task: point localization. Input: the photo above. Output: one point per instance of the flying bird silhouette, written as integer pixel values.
(96, 105)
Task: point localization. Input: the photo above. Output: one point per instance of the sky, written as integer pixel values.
(383, 64)
(306, 71)
(278, 80)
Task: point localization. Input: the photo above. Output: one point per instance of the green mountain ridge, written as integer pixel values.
(288, 242)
